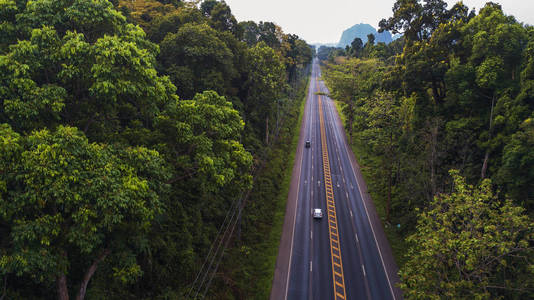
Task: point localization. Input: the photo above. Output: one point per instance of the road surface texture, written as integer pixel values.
(344, 255)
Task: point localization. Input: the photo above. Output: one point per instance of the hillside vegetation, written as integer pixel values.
(127, 131)
(442, 121)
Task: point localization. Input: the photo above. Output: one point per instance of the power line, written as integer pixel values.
(237, 206)
(224, 226)
(223, 249)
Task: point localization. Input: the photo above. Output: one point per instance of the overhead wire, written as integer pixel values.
(204, 273)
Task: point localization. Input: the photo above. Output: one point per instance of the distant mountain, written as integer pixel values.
(361, 31)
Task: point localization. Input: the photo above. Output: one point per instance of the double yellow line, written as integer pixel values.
(335, 246)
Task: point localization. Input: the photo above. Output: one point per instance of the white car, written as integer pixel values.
(317, 213)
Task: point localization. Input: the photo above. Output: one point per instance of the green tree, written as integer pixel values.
(371, 39)
(143, 12)
(297, 55)
(201, 138)
(196, 59)
(8, 26)
(207, 6)
(172, 21)
(467, 80)
(369, 46)
(93, 19)
(356, 47)
(415, 20)
(251, 32)
(382, 122)
(70, 204)
(80, 64)
(268, 34)
(356, 79)
(265, 83)
(516, 169)
(97, 75)
(468, 244)
(406, 19)
(495, 42)
(221, 18)
(518, 165)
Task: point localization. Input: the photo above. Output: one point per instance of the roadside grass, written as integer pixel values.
(395, 238)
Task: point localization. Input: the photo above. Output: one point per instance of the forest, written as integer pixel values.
(127, 131)
(442, 121)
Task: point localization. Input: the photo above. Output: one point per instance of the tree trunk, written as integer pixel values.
(433, 145)
(485, 164)
(435, 92)
(267, 131)
(486, 156)
(89, 274)
(62, 291)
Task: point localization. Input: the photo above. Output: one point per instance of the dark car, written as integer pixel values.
(308, 144)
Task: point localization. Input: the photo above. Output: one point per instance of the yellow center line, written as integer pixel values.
(335, 249)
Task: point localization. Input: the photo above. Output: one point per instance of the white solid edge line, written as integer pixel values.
(295, 219)
(368, 218)
(367, 214)
(370, 224)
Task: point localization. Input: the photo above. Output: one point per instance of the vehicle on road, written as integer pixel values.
(317, 213)
(308, 144)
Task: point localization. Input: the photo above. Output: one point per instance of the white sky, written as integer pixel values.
(319, 21)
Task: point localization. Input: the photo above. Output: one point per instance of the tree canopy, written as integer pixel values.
(72, 203)
(453, 93)
(127, 131)
(466, 243)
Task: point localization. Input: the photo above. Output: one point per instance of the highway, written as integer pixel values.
(344, 255)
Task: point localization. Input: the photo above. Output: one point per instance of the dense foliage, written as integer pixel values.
(112, 184)
(455, 92)
(470, 245)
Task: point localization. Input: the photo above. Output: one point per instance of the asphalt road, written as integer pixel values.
(344, 255)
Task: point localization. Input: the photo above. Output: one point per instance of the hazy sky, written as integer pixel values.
(324, 21)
